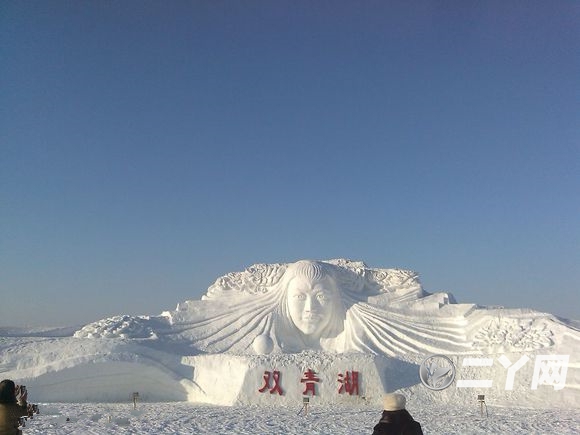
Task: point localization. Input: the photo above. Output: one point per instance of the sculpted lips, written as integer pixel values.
(311, 317)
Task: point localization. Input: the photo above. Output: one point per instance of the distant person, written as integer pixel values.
(396, 420)
(12, 406)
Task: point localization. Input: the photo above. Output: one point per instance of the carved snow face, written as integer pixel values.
(311, 303)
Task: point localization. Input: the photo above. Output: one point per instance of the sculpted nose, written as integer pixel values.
(308, 304)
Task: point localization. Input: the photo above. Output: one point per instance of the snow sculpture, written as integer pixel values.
(335, 306)
(255, 333)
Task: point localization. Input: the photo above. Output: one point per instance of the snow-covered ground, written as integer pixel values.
(188, 418)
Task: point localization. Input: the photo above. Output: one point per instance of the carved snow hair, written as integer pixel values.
(312, 270)
(352, 277)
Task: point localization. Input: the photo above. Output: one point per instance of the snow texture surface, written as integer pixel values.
(188, 418)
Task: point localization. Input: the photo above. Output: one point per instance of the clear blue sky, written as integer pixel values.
(147, 148)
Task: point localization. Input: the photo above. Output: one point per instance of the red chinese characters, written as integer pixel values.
(310, 380)
(348, 383)
(275, 376)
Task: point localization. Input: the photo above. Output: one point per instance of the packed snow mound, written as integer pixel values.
(119, 327)
(264, 335)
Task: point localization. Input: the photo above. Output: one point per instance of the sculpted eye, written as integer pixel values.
(300, 297)
(321, 296)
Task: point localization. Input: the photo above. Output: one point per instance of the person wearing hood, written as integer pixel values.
(396, 420)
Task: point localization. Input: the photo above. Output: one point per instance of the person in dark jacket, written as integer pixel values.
(396, 420)
(11, 407)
